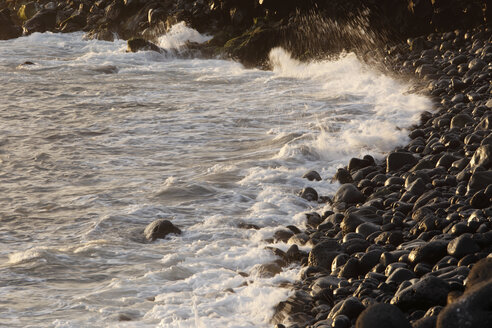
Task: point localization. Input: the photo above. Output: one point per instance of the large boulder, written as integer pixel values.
(323, 253)
(474, 307)
(348, 193)
(8, 30)
(43, 21)
(397, 160)
(254, 45)
(160, 229)
(139, 44)
(482, 157)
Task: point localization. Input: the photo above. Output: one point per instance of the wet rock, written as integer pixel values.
(293, 309)
(425, 70)
(322, 254)
(480, 200)
(462, 245)
(352, 220)
(400, 275)
(417, 188)
(139, 44)
(351, 269)
(486, 122)
(425, 322)
(397, 160)
(282, 235)
(481, 272)
(160, 229)
(341, 321)
(366, 229)
(74, 23)
(266, 270)
(427, 292)
(343, 176)
(473, 308)
(9, 30)
(348, 193)
(461, 120)
(357, 163)
(446, 161)
(382, 316)
(312, 176)
(479, 180)
(355, 245)
(43, 21)
(482, 157)
(309, 194)
(351, 307)
(429, 253)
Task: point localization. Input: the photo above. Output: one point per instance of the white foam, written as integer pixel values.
(179, 34)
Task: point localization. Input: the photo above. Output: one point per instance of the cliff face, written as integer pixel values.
(248, 29)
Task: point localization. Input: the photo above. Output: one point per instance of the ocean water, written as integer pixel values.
(96, 143)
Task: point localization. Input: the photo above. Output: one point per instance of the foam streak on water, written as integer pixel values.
(95, 143)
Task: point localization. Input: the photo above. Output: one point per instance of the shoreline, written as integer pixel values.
(405, 235)
(408, 231)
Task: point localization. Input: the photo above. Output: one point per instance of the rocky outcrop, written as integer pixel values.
(9, 30)
(159, 229)
(247, 30)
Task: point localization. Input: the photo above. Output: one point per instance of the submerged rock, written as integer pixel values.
(309, 194)
(312, 176)
(160, 229)
(139, 44)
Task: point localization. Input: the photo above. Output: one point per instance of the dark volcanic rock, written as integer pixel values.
(44, 20)
(351, 307)
(323, 254)
(312, 176)
(343, 176)
(357, 163)
(139, 44)
(309, 194)
(160, 229)
(8, 29)
(481, 271)
(348, 193)
(353, 220)
(428, 253)
(397, 160)
(462, 245)
(382, 316)
(482, 157)
(400, 275)
(294, 308)
(479, 180)
(429, 291)
(474, 307)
